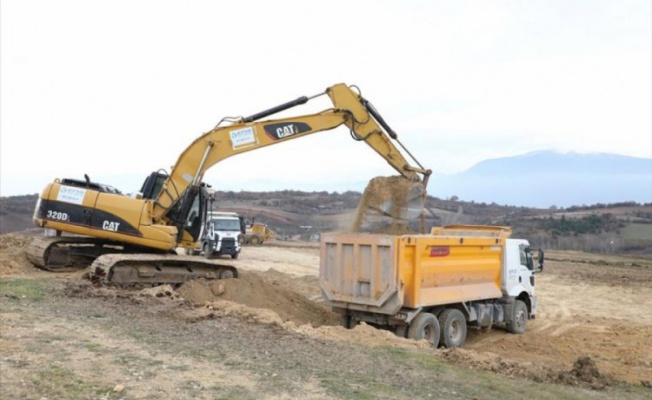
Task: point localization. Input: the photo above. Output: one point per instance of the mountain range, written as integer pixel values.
(549, 178)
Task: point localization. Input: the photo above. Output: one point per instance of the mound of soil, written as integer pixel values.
(585, 371)
(12, 254)
(252, 291)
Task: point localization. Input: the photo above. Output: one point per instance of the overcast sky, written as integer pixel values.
(117, 89)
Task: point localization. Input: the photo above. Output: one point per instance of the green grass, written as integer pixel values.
(60, 383)
(182, 367)
(94, 347)
(449, 381)
(232, 393)
(637, 231)
(31, 289)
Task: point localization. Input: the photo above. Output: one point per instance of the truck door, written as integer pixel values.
(518, 273)
(526, 269)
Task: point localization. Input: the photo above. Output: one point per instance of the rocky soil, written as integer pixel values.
(269, 335)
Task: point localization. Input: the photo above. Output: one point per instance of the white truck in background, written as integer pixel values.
(220, 235)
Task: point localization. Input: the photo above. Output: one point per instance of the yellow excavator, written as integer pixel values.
(133, 239)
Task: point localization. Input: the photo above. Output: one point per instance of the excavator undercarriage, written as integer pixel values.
(110, 263)
(152, 269)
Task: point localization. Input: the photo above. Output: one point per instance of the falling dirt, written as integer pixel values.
(391, 199)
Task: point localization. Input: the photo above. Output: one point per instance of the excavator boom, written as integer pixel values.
(249, 134)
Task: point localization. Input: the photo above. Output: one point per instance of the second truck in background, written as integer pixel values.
(430, 286)
(220, 235)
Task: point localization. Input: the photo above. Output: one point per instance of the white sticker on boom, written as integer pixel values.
(242, 137)
(71, 194)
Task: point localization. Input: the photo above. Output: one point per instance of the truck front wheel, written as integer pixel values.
(453, 328)
(519, 318)
(425, 326)
(208, 251)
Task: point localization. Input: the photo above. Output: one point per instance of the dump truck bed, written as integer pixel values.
(384, 273)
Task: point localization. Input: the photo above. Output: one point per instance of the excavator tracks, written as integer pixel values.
(67, 253)
(154, 269)
(109, 263)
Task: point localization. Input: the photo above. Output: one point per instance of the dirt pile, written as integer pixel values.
(394, 199)
(257, 298)
(363, 334)
(488, 361)
(584, 371)
(12, 254)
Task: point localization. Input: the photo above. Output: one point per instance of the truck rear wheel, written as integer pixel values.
(425, 326)
(519, 318)
(453, 328)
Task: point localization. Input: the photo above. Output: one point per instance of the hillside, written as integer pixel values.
(617, 228)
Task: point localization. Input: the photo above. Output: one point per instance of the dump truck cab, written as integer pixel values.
(518, 274)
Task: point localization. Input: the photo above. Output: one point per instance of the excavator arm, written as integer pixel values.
(246, 134)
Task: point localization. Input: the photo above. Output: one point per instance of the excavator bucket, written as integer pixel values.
(388, 204)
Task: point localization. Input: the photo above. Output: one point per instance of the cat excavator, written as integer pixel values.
(132, 239)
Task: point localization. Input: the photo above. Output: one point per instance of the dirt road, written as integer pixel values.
(269, 335)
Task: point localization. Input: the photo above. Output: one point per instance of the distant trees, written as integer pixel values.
(589, 224)
(597, 206)
(18, 204)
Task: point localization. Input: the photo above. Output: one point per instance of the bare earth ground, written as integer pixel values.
(269, 335)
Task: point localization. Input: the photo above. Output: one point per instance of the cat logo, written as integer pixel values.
(286, 129)
(110, 226)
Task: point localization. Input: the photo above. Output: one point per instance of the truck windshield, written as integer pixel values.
(226, 224)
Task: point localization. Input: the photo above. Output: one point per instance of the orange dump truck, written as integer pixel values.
(430, 286)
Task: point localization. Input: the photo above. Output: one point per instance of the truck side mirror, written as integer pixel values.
(541, 260)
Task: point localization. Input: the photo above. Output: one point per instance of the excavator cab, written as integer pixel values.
(188, 214)
(153, 185)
